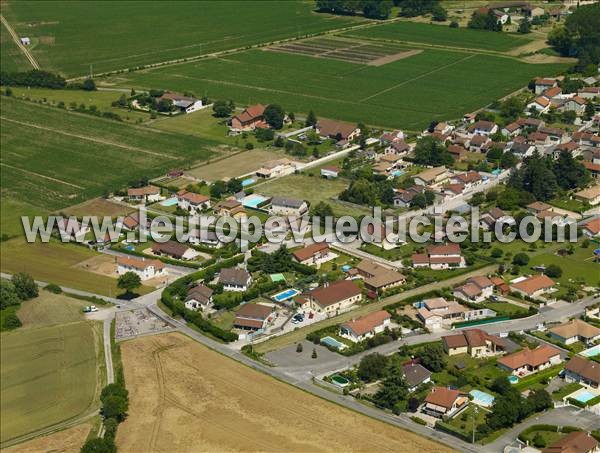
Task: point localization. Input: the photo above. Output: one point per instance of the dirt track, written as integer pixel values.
(185, 397)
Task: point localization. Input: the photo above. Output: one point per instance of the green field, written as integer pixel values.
(49, 369)
(52, 159)
(11, 57)
(577, 267)
(407, 93)
(70, 36)
(442, 35)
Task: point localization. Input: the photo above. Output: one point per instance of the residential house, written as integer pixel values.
(437, 312)
(457, 151)
(542, 84)
(415, 375)
(330, 172)
(552, 93)
(206, 238)
(479, 143)
(277, 168)
(146, 194)
(589, 92)
(365, 327)
(531, 123)
(592, 228)
(443, 128)
(230, 208)
(500, 286)
(475, 342)
(145, 268)
(377, 277)
(590, 195)
(533, 286)
(314, 254)
(583, 371)
(132, 222)
(593, 168)
(574, 331)
(541, 104)
(378, 234)
(333, 297)
(254, 316)
(452, 190)
(288, 206)
(431, 176)
(185, 104)
(522, 150)
(574, 442)
(512, 129)
(469, 179)
(445, 402)
(192, 202)
(528, 361)
(337, 130)
(476, 289)
(251, 118)
(235, 279)
(199, 297)
(482, 127)
(403, 198)
(439, 257)
(398, 148)
(575, 104)
(537, 207)
(388, 137)
(555, 134)
(174, 249)
(490, 218)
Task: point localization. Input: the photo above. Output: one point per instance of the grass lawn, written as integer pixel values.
(549, 436)
(51, 367)
(569, 205)
(56, 262)
(235, 165)
(576, 267)
(408, 93)
(566, 390)
(505, 308)
(313, 189)
(533, 381)
(97, 207)
(66, 34)
(11, 212)
(224, 320)
(40, 145)
(464, 421)
(442, 35)
(11, 57)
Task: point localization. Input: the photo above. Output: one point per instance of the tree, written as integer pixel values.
(274, 115)
(439, 13)
(234, 185)
(511, 108)
(431, 151)
(115, 406)
(89, 85)
(520, 259)
(264, 135)
(394, 391)
(590, 110)
(485, 21)
(217, 189)
(554, 271)
(524, 27)
(25, 286)
(377, 9)
(372, 367)
(129, 281)
(496, 252)
(569, 172)
(433, 357)
(413, 8)
(8, 294)
(164, 105)
(536, 176)
(299, 348)
(580, 35)
(314, 353)
(221, 109)
(539, 441)
(477, 199)
(454, 24)
(98, 445)
(569, 117)
(508, 160)
(311, 119)
(321, 210)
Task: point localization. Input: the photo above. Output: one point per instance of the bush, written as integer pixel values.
(11, 321)
(53, 288)
(418, 420)
(98, 445)
(33, 78)
(454, 24)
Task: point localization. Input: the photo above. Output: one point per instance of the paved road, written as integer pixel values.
(17, 41)
(110, 371)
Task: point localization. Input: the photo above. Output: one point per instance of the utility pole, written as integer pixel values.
(91, 71)
(474, 426)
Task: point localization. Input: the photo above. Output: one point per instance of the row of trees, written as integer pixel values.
(43, 79)
(373, 9)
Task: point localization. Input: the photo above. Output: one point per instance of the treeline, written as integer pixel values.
(43, 79)
(372, 9)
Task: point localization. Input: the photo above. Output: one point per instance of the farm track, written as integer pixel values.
(89, 139)
(60, 181)
(21, 47)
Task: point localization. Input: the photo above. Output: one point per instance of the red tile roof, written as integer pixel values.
(529, 357)
(367, 323)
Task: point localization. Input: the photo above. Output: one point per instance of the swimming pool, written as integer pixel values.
(591, 352)
(247, 182)
(583, 396)
(129, 248)
(169, 202)
(285, 295)
(397, 173)
(253, 201)
(328, 341)
(340, 381)
(513, 379)
(481, 398)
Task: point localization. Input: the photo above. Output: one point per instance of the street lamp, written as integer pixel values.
(475, 411)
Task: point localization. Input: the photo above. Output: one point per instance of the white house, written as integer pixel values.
(482, 127)
(288, 207)
(366, 326)
(332, 297)
(25, 41)
(199, 297)
(195, 203)
(185, 104)
(330, 172)
(533, 286)
(574, 331)
(476, 289)
(444, 402)
(541, 104)
(145, 268)
(146, 194)
(235, 279)
(529, 361)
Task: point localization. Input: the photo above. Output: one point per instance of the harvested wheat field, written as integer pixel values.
(69, 440)
(185, 397)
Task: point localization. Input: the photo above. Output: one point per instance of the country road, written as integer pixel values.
(17, 41)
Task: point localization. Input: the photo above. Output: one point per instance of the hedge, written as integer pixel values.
(418, 420)
(164, 259)
(524, 435)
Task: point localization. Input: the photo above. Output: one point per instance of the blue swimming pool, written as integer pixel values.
(129, 248)
(481, 398)
(248, 181)
(329, 341)
(285, 295)
(513, 379)
(169, 202)
(591, 352)
(584, 396)
(253, 201)
(397, 173)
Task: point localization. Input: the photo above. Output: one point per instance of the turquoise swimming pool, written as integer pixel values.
(253, 201)
(169, 202)
(247, 182)
(591, 352)
(584, 396)
(513, 379)
(329, 341)
(285, 295)
(481, 398)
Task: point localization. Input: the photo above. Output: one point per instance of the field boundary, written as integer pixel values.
(17, 41)
(28, 172)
